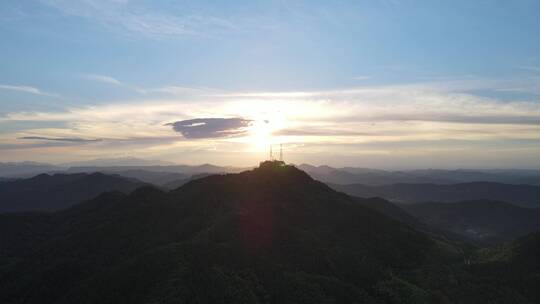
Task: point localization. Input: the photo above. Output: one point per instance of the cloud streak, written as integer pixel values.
(103, 79)
(25, 89)
(64, 139)
(125, 17)
(374, 119)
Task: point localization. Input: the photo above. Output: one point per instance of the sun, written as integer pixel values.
(262, 131)
(261, 134)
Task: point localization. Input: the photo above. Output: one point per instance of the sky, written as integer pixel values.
(393, 84)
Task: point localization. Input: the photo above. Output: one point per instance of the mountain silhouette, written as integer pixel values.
(264, 234)
(484, 221)
(523, 195)
(269, 235)
(376, 177)
(25, 169)
(46, 192)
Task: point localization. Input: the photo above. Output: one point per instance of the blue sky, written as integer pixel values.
(376, 83)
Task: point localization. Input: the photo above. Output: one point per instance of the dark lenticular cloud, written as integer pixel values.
(211, 127)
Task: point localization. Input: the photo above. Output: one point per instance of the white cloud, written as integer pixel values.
(362, 77)
(183, 91)
(25, 89)
(130, 18)
(378, 119)
(103, 79)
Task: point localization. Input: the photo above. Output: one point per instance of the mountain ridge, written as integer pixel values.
(523, 195)
(58, 191)
(485, 221)
(268, 235)
(273, 219)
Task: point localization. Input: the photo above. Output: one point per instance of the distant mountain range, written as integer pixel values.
(112, 165)
(523, 195)
(53, 192)
(25, 169)
(157, 178)
(349, 175)
(158, 173)
(119, 161)
(346, 175)
(268, 235)
(484, 221)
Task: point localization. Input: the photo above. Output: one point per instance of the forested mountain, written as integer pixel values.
(483, 220)
(524, 195)
(53, 192)
(516, 265)
(269, 235)
(265, 235)
(157, 178)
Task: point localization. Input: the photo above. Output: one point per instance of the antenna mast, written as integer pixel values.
(271, 156)
(280, 152)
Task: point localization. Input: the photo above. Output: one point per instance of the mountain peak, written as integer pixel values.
(270, 179)
(273, 164)
(280, 170)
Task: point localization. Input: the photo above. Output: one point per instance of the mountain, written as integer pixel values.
(269, 235)
(181, 169)
(505, 176)
(157, 178)
(391, 210)
(484, 221)
(25, 169)
(182, 181)
(119, 161)
(169, 177)
(52, 192)
(517, 266)
(524, 195)
(374, 177)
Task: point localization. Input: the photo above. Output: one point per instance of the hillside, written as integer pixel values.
(517, 266)
(484, 221)
(157, 178)
(269, 235)
(524, 195)
(53, 192)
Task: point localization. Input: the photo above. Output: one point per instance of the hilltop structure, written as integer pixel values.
(271, 154)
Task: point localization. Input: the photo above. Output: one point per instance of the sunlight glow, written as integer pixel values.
(262, 129)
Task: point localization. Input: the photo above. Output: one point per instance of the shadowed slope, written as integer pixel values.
(264, 235)
(269, 235)
(483, 221)
(59, 191)
(524, 195)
